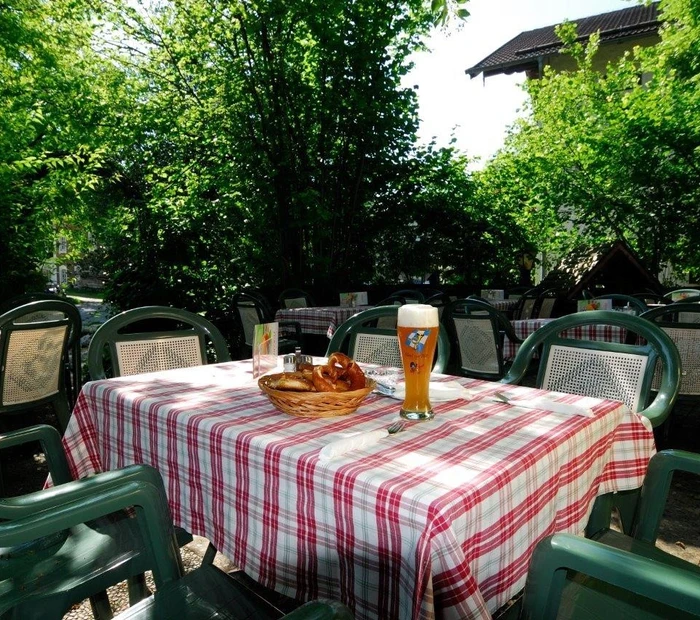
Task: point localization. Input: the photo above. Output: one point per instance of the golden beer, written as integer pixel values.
(417, 328)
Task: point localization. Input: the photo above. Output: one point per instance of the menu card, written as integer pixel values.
(265, 343)
(358, 298)
(594, 304)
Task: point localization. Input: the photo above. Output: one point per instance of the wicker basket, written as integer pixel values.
(315, 404)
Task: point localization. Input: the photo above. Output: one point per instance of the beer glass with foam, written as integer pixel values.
(417, 327)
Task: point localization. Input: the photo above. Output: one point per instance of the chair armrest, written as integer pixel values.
(655, 489)
(555, 554)
(81, 501)
(51, 445)
(320, 610)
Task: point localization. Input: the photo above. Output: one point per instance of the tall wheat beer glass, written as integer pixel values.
(417, 327)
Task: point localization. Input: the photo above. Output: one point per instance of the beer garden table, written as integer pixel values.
(522, 329)
(437, 521)
(319, 320)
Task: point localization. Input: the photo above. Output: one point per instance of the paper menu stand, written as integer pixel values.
(265, 344)
(358, 298)
(583, 305)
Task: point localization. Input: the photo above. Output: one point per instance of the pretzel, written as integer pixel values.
(293, 382)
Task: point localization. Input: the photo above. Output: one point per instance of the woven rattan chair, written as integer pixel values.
(62, 545)
(38, 341)
(362, 340)
(153, 338)
(251, 309)
(681, 321)
(610, 370)
(477, 331)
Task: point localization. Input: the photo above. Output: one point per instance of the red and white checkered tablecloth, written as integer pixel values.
(522, 329)
(437, 521)
(323, 320)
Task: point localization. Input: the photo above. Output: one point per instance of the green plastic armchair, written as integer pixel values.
(362, 340)
(153, 338)
(61, 545)
(618, 576)
(681, 294)
(37, 341)
(608, 583)
(64, 544)
(477, 331)
(611, 370)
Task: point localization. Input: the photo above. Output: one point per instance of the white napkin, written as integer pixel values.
(439, 391)
(547, 404)
(347, 444)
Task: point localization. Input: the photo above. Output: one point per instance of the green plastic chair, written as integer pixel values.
(604, 369)
(129, 344)
(362, 340)
(614, 575)
(622, 584)
(38, 340)
(48, 564)
(681, 321)
(477, 331)
(50, 559)
(250, 308)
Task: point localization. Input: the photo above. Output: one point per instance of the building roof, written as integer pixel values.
(608, 268)
(524, 52)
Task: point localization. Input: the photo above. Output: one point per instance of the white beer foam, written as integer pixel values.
(418, 315)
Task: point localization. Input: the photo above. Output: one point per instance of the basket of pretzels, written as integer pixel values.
(319, 391)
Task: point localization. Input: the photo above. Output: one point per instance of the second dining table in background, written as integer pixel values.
(437, 521)
(522, 329)
(319, 320)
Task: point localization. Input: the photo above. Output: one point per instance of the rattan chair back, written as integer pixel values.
(182, 339)
(37, 340)
(362, 340)
(682, 324)
(611, 370)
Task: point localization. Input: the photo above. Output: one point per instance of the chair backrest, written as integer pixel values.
(174, 338)
(295, 298)
(622, 301)
(610, 370)
(250, 309)
(526, 305)
(682, 324)
(476, 330)
(412, 296)
(544, 305)
(368, 343)
(36, 340)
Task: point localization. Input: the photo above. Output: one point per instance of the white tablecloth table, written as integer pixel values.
(437, 521)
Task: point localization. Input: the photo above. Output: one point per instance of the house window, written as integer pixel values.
(63, 274)
(62, 245)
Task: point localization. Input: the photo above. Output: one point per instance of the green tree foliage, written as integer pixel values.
(273, 143)
(49, 119)
(613, 156)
